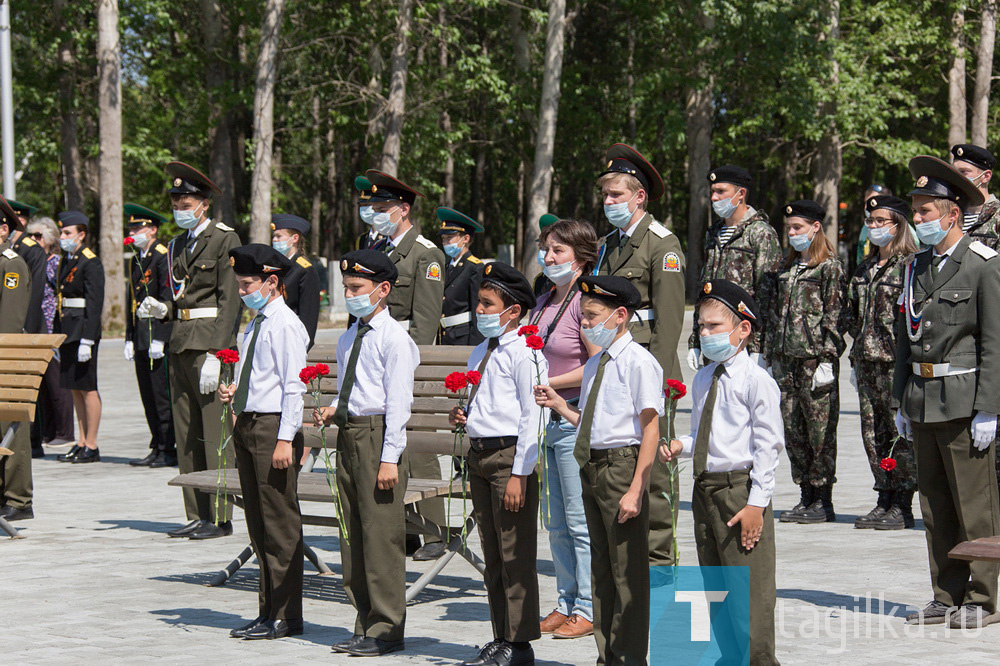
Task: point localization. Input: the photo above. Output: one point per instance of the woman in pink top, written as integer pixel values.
(570, 249)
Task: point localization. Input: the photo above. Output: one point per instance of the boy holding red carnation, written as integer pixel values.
(502, 457)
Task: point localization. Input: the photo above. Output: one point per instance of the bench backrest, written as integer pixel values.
(23, 360)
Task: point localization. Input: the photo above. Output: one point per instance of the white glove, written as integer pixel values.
(155, 349)
(854, 379)
(210, 370)
(694, 358)
(823, 375)
(86, 351)
(984, 429)
(129, 351)
(150, 308)
(903, 425)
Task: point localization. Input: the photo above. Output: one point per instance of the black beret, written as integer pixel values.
(730, 173)
(888, 202)
(626, 159)
(806, 208)
(369, 264)
(293, 222)
(69, 218)
(140, 216)
(510, 281)
(615, 291)
(387, 188)
(259, 260)
(9, 216)
(188, 180)
(734, 297)
(936, 178)
(974, 155)
(453, 221)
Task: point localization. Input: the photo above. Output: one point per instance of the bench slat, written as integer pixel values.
(18, 394)
(13, 411)
(429, 354)
(26, 354)
(24, 367)
(20, 381)
(47, 340)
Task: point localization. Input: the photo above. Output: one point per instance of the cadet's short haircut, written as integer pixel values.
(631, 183)
(579, 235)
(944, 206)
(721, 307)
(505, 298)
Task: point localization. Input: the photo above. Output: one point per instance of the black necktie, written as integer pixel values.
(340, 415)
(490, 346)
(582, 450)
(705, 424)
(243, 388)
(937, 259)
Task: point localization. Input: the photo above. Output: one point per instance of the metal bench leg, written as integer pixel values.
(231, 568)
(418, 585)
(455, 547)
(318, 563)
(10, 529)
(465, 551)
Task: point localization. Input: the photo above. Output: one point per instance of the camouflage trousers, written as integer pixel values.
(878, 428)
(810, 420)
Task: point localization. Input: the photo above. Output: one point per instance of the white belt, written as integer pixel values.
(644, 315)
(187, 314)
(74, 302)
(934, 370)
(405, 324)
(455, 320)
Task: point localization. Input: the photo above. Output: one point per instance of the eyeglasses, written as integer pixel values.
(871, 222)
(36, 236)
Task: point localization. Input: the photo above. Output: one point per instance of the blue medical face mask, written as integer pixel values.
(490, 325)
(931, 233)
(68, 244)
(541, 258)
(881, 236)
(724, 208)
(800, 242)
(383, 223)
(717, 347)
(452, 249)
(141, 240)
(599, 335)
(186, 219)
(257, 299)
(367, 214)
(618, 214)
(560, 274)
(362, 306)
(282, 246)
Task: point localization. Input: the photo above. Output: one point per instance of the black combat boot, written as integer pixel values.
(821, 510)
(900, 516)
(868, 520)
(808, 495)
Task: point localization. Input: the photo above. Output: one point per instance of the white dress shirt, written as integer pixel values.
(747, 429)
(507, 388)
(194, 233)
(946, 254)
(383, 379)
(633, 382)
(278, 357)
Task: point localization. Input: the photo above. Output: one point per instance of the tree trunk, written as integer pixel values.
(545, 138)
(449, 160)
(220, 161)
(315, 213)
(69, 144)
(828, 166)
(263, 123)
(984, 72)
(109, 102)
(396, 105)
(956, 79)
(698, 135)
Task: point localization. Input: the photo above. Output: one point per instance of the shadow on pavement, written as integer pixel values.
(855, 604)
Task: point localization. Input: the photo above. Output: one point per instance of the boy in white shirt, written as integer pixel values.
(736, 439)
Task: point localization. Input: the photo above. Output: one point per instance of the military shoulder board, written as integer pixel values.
(29, 242)
(426, 243)
(303, 262)
(982, 250)
(10, 254)
(475, 260)
(88, 253)
(161, 249)
(658, 229)
(223, 226)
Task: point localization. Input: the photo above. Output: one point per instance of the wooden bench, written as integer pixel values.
(427, 431)
(986, 549)
(23, 360)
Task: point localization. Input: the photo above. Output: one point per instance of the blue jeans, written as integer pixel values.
(562, 515)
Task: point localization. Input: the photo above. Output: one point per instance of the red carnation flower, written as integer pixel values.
(128, 241)
(888, 464)
(534, 341)
(530, 329)
(322, 369)
(456, 381)
(474, 377)
(676, 389)
(228, 356)
(307, 374)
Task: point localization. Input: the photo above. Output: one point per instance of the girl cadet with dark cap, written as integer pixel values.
(288, 236)
(79, 303)
(872, 315)
(802, 348)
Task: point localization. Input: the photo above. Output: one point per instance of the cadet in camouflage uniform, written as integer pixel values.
(647, 253)
(741, 247)
(803, 345)
(871, 313)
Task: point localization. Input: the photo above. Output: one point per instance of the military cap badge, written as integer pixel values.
(708, 288)
(488, 269)
(343, 265)
(177, 182)
(232, 261)
(585, 287)
(712, 176)
(788, 210)
(959, 152)
(744, 310)
(362, 269)
(921, 181)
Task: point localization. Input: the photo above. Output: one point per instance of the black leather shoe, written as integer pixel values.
(164, 460)
(147, 461)
(486, 654)
(271, 629)
(375, 647)
(429, 551)
(187, 529)
(344, 646)
(241, 632)
(508, 655)
(412, 544)
(70, 455)
(13, 513)
(87, 456)
(209, 530)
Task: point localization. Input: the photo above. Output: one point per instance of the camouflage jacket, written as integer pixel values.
(750, 254)
(806, 312)
(986, 229)
(872, 308)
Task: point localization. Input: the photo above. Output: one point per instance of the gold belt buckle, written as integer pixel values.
(927, 370)
(185, 314)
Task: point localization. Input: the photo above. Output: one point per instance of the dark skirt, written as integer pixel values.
(73, 374)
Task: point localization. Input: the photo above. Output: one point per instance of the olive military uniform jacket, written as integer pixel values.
(302, 293)
(461, 295)
(873, 308)
(416, 299)
(81, 275)
(806, 313)
(35, 257)
(986, 230)
(146, 276)
(960, 324)
(201, 276)
(15, 293)
(652, 259)
(751, 253)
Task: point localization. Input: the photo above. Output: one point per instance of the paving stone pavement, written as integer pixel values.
(97, 579)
